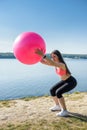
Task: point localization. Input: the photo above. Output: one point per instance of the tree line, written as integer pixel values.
(76, 56)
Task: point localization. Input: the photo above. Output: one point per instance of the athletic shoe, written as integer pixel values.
(55, 108)
(63, 113)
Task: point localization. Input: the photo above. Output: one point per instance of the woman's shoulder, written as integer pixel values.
(61, 65)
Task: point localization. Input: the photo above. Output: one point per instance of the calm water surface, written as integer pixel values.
(18, 80)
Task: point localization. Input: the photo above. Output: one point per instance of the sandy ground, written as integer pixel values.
(35, 109)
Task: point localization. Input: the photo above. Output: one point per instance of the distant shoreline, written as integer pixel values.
(8, 55)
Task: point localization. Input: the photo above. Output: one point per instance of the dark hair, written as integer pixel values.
(56, 52)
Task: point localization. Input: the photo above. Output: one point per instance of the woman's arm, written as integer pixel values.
(48, 61)
(44, 61)
(53, 63)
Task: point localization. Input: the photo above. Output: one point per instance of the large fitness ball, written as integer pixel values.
(25, 45)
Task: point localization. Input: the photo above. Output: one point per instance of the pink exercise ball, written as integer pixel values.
(25, 45)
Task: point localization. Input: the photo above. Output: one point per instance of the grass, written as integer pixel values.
(33, 97)
(7, 103)
(75, 96)
(70, 123)
(29, 98)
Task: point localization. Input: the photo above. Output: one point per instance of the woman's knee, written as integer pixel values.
(52, 92)
(58, 94)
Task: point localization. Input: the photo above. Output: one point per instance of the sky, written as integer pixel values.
(61, 23)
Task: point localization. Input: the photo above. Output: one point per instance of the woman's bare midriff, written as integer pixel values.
(64, 77)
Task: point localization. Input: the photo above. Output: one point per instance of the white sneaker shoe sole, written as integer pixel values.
(55, 108)
(63, 113)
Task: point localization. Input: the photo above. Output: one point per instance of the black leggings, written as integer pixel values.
(63, 86)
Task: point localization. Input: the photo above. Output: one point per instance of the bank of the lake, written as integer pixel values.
(9, 55)
(34, 114)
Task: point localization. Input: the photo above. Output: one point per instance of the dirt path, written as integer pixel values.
(35, 109)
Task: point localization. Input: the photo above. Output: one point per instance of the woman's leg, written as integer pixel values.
(63, 111)
(56, 100)
(68, 85)
(53, 91)
(62, 103)
(53, 94)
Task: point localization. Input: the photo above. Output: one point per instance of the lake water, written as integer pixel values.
(18, 80)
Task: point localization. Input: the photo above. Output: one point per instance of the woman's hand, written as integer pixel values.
(39, 52)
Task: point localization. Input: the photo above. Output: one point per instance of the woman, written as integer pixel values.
(67, 83)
